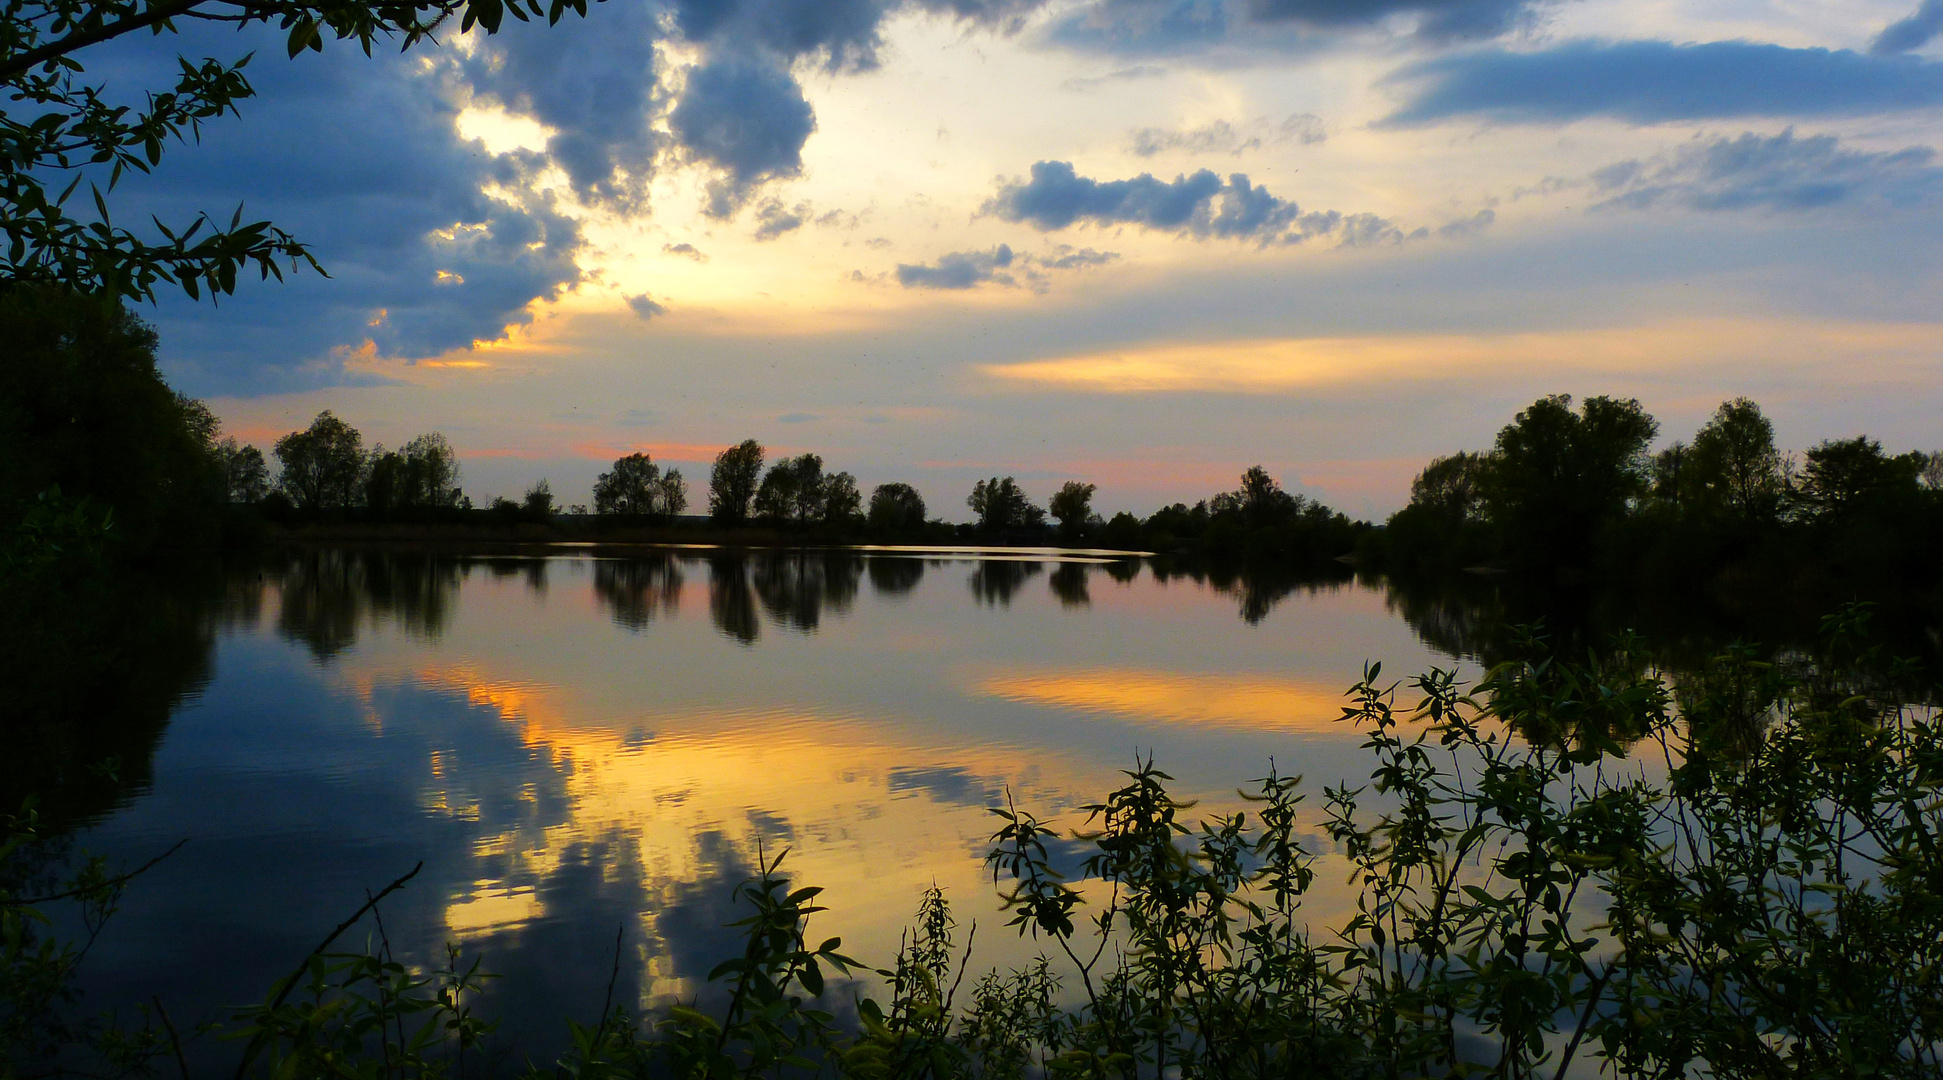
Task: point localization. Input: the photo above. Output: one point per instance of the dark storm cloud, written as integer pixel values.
(592, 81)
(747, 118)
(958, 270)
(361, 158)
(1649, 82)
(1200, 205)
(1779, 173)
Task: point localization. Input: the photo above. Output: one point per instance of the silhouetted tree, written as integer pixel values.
(1558, 475)
(431, 477)
(1735, 468)
(538, 502)
(246, 475)
(1000, 505)
(841, 500)
(1841, 476)
(384, 480)
(83, 408)
(633, 487)
(322, 465)
(896, 508)
(732, 484)
(792, 490)
(1072, 507)
(1262, 501)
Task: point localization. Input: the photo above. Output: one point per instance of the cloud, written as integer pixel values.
(592, 82)
(1476, 223)
(746, 118)
(773, 219)
(1913, 32)
(1221, 137)
(958, 270)
(1650, 82)
(685, 250)
(645, 307)
(360, 157)
(1084, 84)
(1068, 257)
(1201, 205)
(1436, 20)
(1781, 173)
(1002, 266)
(798, 417)
(1172, 28)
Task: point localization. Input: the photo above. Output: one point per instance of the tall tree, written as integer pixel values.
(246, 477)
(322, 464)
(1734, 465)
(68, 130)
(896, 507)
(431, 472)
(732, 483)
(1843, 476)
(1072, 506)
(1000, 504)
(632, 487)
(1557, 475)
(842, 502)
(84, 409)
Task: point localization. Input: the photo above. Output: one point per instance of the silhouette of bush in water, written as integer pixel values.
(1737, 876)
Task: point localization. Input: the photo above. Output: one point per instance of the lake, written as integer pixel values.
(577, 744)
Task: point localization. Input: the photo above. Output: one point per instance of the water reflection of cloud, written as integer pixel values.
(1251, 702)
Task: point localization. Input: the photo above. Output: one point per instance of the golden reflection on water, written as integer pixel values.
(855, 815)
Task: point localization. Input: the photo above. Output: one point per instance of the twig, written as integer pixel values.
(108, 884)
(607, 1005)
(290, 980)
(175, 1041)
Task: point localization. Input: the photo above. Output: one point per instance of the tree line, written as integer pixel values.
(1582, 490)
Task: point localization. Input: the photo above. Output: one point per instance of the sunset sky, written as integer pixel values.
(1144, 243)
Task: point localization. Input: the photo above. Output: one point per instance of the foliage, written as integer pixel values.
(322, 465)
(1736, 470)
(896, 508)
(732, 483)
(1842, 477)
(68, 132)
(1556, 475)
(537, 503)
(1001, 504)
(84, 409)
(1072, 506)
(636, 486)
(246, 477)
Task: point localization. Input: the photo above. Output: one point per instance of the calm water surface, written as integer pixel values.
(576, 744)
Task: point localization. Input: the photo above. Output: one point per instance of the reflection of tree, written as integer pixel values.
(794, 586)
(95, 668)
(731, 603)
(637, 590)
(893, 575)
(1068, 583)
(1123, 571)
(995, 580)
(326, 595)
